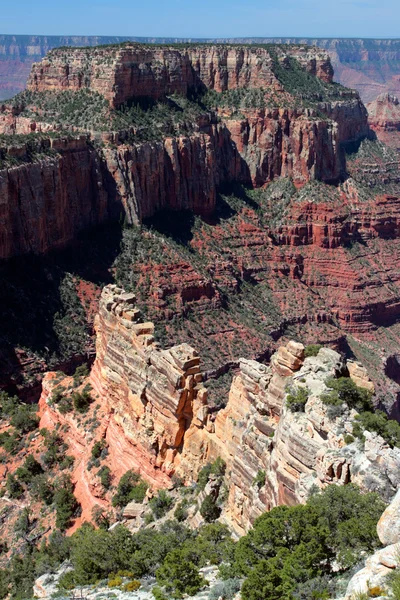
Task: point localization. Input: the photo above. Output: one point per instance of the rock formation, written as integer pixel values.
(156, 396)
(157, 401)
(384, 119)
(45, 203)
(355, 61)
(179, 172)
(121, 73)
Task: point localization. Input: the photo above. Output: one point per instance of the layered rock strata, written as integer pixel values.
(158, 401)
(45, 203)
(179, 172)
(256, 433)
(121, 73)
(156, 396)
(384, 119)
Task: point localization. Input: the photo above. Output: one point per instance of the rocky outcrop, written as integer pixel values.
(273, 455)
(389, 524)
(41, 211)
(156, 396)
(384, 119)
(45, 203)
(182, 172)
(355, 61)
(294, 451)
(121, 73)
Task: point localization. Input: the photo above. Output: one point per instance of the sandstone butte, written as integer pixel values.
(156, 419)
(384, 118)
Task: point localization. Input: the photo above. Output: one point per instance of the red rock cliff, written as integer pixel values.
(45, 203)
(121, 73)
(159, 405)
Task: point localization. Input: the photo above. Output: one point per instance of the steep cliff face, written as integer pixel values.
(129, 71)
(45, 203)
(157, 400)
(155, 395)
(17, 54)
(384, 119)
(295, 450)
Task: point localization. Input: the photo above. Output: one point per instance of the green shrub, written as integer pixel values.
(290, 546)
(179, 576)
(259, 479)
(67, 462)
(348, 439)
(42, 489)
(67, 581)
(105, 477)
(30, 468)
(11, 442)
(81, 401)
(65, 406)
(380, 423)
(65, 503)
(98, 448)
(181, 512)
(297, 398)
(209, 509)
(203, 476)
(56, 448)
(345, 391)
(130, 488)
(393, 581)
(161, 504)
(312, 350)
(217, 468)
(81, 372)
(25, 419)
(13, 487)
(158, 593)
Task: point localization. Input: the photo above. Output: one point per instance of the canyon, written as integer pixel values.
(313, 253)
(211, 234)
(155, 417)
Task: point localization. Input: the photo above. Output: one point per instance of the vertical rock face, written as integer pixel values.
(121, 73)
(177, 172)
(43, 205)
(156, 396)
(384, 119)
(273, 455)
(257, 434)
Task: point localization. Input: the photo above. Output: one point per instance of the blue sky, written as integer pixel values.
(203, 18)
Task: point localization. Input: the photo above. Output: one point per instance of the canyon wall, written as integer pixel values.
(45, 203)
(157, 399)
(384, 119)
(129, 71)
(179, 172)
(156, 396)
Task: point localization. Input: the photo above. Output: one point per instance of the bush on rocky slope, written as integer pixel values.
(287, 549)
(292, 545)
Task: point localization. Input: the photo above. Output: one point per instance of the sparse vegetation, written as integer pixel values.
(296, 398)
(130, 488)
